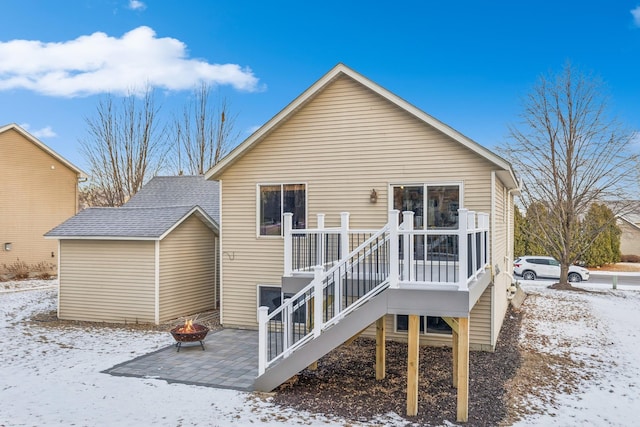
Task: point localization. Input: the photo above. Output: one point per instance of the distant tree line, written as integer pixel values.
(599, 224)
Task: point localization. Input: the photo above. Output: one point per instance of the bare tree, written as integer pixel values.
(571, 152)
(125, 146)
(204, 133)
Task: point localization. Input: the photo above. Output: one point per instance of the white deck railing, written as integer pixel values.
(352, 266)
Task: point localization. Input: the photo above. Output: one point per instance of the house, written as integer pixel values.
(310, 208)
(150, 260)
(39, 189)
(630, 237)
(627, 213)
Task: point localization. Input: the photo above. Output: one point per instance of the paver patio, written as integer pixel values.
(230, 360)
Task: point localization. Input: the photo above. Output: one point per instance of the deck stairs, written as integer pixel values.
(347, 295)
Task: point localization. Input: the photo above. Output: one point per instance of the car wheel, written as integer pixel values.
(529, 275)
(574, 277)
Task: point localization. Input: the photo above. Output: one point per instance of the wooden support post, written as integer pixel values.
(463, 369)
(380, 348)
(413, 351)
(454, 350)
(453, 324)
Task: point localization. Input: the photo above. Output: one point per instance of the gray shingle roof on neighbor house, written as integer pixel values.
(154, 210)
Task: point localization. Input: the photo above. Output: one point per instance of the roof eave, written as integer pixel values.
(98, 237)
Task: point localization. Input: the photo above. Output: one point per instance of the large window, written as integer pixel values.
(434, 206)
(275, 200)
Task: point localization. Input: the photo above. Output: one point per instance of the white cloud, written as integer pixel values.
(99, 63)
(137, 5)
(45, 132)
(636, 16)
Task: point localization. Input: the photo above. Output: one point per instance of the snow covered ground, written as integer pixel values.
(600, 332)
(52, 376)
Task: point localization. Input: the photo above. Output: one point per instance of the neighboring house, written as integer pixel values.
(630, 237)
(149, 261)
(38, 189)
(347, 145)
(628, 220)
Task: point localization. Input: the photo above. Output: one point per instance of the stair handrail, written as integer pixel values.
(317, 285)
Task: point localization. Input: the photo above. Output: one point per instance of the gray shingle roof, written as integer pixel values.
(154, 210)
(167, 191)
(121, 222)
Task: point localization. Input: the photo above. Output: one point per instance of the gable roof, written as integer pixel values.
(125, 223)
(504, 169)
(43, 147)
(160, 206)
(628, 222)
(184, 190)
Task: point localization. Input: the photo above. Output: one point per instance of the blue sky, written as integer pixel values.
(467, 63)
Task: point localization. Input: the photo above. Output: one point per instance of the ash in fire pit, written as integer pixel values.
(190, 332)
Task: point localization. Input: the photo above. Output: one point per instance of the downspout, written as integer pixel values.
(493, 251)
(157, 282)
(59, 277)
(220, 252)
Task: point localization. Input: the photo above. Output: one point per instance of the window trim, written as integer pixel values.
(281, 184)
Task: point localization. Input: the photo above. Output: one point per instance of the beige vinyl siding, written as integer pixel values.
(629, 239)
(107, 281)
(502, 261)
(38, 192)
(342, 144)
(187, 270)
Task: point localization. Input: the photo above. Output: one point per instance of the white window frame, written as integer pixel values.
(425, 187)
(281, 184)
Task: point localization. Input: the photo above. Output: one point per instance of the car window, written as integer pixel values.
(554, 262)
(537, 261)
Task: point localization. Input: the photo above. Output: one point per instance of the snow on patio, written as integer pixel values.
(52, 376)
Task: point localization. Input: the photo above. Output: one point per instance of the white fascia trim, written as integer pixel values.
(101, 238)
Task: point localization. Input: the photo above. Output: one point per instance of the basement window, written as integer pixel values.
(269, 296)
(430, 324)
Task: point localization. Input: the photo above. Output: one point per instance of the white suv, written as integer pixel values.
(531, 267)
